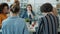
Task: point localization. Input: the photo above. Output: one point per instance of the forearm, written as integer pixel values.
(0, 25)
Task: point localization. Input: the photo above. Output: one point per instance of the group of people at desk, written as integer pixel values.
(48, 24)
(27, 15)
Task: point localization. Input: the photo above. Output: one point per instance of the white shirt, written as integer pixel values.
(29, 13)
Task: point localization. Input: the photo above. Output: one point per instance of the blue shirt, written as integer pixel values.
(25, 14)
(14, 25)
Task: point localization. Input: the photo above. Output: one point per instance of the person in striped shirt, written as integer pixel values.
(48, 24)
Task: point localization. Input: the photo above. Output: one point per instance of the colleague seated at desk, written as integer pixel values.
(3, 12)
(29, 12)
(14, 24)
(47, 23)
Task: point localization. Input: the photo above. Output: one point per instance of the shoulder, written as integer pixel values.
(4, 21)
(33, 13)
(1, 15)
(25, 12)
(21, 19)
(41, 18)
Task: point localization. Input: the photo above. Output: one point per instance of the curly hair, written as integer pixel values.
(47, 7)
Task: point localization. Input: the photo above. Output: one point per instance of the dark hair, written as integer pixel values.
(47, 7)
(17, 2)
(30, 6)
(11, 5)
(0, 9)
(15, 8)
(3, 5)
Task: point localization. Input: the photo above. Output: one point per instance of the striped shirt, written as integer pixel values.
(48, 24)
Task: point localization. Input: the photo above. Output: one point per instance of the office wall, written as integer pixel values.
(34, 2)
(5, 1)
(37, 3)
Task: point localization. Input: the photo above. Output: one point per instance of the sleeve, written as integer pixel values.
(57, 22)
(23, 14)
(33, 13)
(40, 26)
(4, 30)
(0, 21)
(25, 30)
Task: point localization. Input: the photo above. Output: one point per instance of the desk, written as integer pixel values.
(31, 28)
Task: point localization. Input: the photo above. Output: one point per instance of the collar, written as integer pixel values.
(44, 14)
(13, 17)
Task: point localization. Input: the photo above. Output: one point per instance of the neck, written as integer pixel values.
(51, 13)
(44, 13)
(13, 14)
(29, 11)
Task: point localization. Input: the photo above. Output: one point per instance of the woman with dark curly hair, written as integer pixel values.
(3, 12)
(48, 24)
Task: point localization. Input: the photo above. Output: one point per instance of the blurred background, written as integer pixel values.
(36, 5)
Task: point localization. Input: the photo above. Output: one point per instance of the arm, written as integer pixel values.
(40, 26)
(25, 30)
(0, 22)
(33, 13)
(23, 14)
(4, 30)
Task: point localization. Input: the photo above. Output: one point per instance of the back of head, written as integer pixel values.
(47, 7)
(17, 2)
(15, 8)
